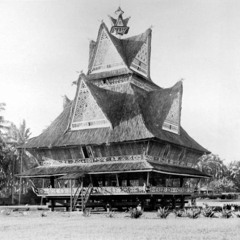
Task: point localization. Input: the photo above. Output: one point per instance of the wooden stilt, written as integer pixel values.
(42, 197)
(173, 202)
(71, 205)
(182, 201)
(53, 205)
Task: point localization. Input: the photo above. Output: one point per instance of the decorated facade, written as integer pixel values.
(119, 141)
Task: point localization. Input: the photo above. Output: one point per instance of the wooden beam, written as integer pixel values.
(148, 175)
(42, 196)
(71, 205)
(146, 152)
(117, 180)
(90, 176)
(181, 181)
(52, 182)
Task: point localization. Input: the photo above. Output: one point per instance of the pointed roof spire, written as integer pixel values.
(119, 25)
(119, 11)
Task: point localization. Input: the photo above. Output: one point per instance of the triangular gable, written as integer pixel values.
(140, 63)
(172, 121)
(106, 57)
(87, 114)
(120, 22)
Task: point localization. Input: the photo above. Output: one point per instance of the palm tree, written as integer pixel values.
(212, 165)
(2, 123)
(234, 173)
(13, 157)
(18, 137)
(5, 153)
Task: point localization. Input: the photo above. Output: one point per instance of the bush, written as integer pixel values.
(194, 213)
(180, 212)
(208, 212)
(226, 213)
(162, 212)
(134, 213)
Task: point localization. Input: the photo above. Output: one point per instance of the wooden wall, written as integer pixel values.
(173, 154)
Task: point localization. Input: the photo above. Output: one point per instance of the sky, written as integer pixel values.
(44, 46)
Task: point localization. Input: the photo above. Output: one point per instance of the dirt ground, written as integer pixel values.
(64, 225)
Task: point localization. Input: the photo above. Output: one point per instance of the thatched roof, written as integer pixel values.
(71, 170)
(87, 168)
(127, 49)
(134, 115)
(177, 170)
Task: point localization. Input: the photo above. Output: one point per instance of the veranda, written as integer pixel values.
(115, 190)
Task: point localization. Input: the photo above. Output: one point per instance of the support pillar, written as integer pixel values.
(148, 175)
(182, 201)
(52, 204)
(117, 180)
(181, 181)
(42, 197)
(52, 182)
(173, 202)
(71, 200)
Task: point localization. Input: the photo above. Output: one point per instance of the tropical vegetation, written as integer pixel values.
(13, 159)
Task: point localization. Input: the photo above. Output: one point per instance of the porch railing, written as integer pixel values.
(114, 191)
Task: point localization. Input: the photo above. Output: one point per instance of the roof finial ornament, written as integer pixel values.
(119, 25)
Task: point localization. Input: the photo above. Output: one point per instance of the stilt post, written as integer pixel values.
(71, 205)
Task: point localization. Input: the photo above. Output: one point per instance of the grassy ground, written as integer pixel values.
(64, 225)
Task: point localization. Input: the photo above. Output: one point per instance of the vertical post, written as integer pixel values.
(71, 205)
(42, 196)
(52, 182)
(146, 152)
(91, 179)
(181, 181)
(182, 201)
(82, 195)
(148, 174)
(173, 202)
(13, 180)
(53, 204)
(117, 180)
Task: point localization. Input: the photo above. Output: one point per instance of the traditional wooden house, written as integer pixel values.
(120, 141)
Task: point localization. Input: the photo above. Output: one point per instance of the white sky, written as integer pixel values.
(43, 44)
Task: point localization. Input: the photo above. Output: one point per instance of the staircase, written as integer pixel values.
(81, 197)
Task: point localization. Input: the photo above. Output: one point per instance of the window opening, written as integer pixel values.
(85, 152)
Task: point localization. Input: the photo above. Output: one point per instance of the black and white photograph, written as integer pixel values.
(119, 119)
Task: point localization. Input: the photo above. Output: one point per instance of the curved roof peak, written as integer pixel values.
(111, 54)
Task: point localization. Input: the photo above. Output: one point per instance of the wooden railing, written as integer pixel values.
(113, 191)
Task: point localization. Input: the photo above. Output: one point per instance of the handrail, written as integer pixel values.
(87, 195)
(76, 196)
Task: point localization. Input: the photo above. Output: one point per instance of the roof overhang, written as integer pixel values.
(72, 176)
(74, 171)
(177, 170)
